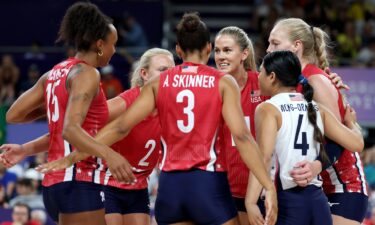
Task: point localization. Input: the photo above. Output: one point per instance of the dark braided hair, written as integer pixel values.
(287, 69)
(83, 24)
(192, 33)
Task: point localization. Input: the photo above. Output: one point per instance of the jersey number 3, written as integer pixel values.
(304, 146)
(188, 110)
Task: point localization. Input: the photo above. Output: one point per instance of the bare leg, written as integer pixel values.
(339, 220)
(83, 218)
(233, 221)
(183, 223)
(113, 219)
(136, 219)
(242, 217)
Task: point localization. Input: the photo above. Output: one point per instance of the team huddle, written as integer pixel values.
(233, 145)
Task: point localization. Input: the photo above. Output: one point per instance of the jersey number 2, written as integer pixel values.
(150, 144)
(304, 146)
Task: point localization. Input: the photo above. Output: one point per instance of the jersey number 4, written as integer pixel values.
(304, 146)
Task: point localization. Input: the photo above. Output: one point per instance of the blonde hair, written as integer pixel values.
(315, 40)
(144, 63)
(244, 42)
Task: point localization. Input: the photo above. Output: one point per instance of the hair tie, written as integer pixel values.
(302, 80)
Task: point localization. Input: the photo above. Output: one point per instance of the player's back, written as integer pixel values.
(56, 100)
(189, 105)
(295, 139)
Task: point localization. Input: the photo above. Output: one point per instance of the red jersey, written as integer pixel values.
(238, 173)
(346, 174)
(141, 147)
(189, 106)
(56, 99)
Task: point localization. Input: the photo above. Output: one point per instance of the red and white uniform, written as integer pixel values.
(346, 174)
(238, 173)
(56, 98)
(189, 106)
(141, 147)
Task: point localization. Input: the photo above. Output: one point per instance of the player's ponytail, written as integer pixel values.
(308, 93)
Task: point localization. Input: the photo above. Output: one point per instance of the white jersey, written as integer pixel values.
(295, 138)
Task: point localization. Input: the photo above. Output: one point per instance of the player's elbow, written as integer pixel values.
(266, 159)
(68, 131)
(13, 117)
(359, 145)
(121, 130)
(241, 136)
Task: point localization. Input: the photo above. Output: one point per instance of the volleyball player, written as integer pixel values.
(290, 128)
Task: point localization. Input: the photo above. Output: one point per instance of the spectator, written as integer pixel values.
(371, 220)
(349, 43)
(9, 75)
(369, 166)
(39, 215)
(33, 75)
(8, 181)
(3, 124)
(27, 194)
(20, 216)
(35, 177)
(3, 198)
(366, 56)
(111, 85)
(34, 52)
(131, 32)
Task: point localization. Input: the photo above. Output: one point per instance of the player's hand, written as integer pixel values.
(120, 168)
(254, 215)
(55, 165)
(12, 154)
(336, 79)
(271, 207)
(303, 172)
(350, 116)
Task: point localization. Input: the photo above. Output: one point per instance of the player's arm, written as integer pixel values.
(117, 129)
(348, 136)
(30, 105)
(266, 127)
(325, 93)
(15, 153)
(245, 143)
(83, 86)
(116, 106)
(140, 109)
